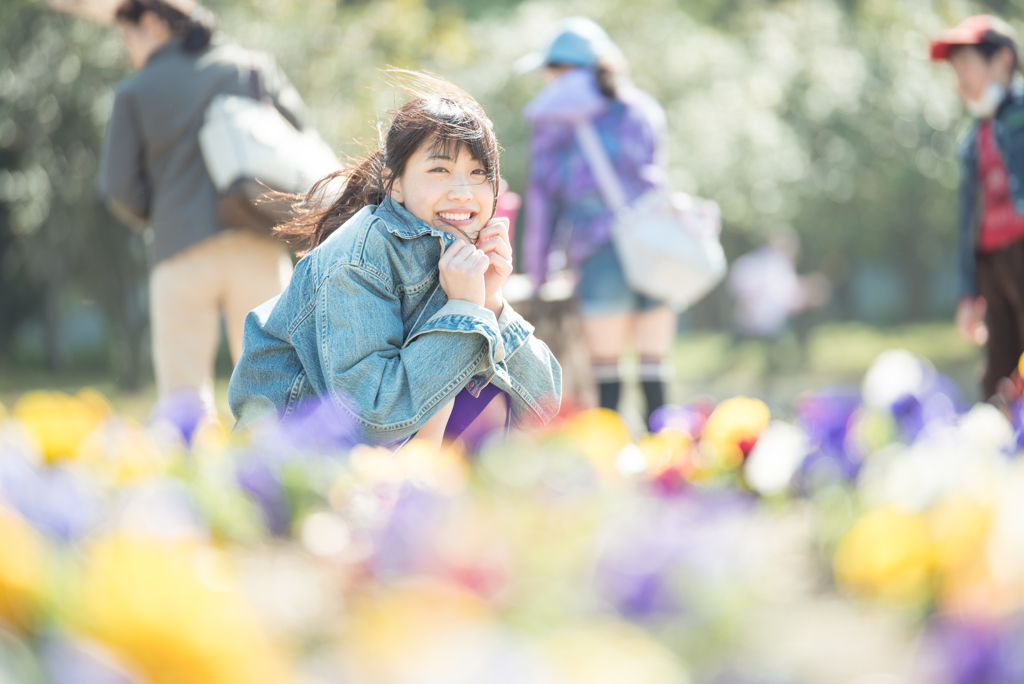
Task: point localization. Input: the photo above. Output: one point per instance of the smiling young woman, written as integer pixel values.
(394, 318)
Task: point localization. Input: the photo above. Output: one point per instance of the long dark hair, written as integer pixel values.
(609, 73)
(196, 29)
(439, 113)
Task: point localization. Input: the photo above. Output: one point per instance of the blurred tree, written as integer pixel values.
(59, 245)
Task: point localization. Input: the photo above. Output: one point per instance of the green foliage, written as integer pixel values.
(58, 246)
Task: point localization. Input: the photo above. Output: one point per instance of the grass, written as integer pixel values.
(707, 363)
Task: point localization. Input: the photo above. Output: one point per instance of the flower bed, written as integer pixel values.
(876, 532)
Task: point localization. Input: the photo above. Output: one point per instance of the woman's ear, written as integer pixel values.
(396, 187)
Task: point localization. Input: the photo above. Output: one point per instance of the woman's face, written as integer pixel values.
(144, 38)
(450, 194)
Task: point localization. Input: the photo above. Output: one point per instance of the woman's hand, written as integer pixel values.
(462, 268)
(493, 241)
(970, 320)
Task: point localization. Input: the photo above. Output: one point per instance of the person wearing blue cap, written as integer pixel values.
(566, 215)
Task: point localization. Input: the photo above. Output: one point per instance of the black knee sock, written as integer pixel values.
(609, 383)
(654, 396)
(653, 376)
(609, 392)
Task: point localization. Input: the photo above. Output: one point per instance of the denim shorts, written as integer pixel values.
(602, 287)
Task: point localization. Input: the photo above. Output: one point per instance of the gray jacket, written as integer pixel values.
(152, 171)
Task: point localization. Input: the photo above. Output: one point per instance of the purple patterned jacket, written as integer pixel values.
(564, 208)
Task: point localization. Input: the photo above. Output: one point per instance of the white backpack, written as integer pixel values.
(249, 147)
(667, 242)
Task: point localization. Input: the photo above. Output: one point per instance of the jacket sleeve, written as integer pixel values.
(123, 181)
(542, 192)
(530, 370)
(284, 95)
(397, 386)
(968, 215)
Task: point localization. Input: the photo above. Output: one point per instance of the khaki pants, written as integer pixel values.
(228, 274)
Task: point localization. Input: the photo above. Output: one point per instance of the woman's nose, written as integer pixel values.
(460, 190)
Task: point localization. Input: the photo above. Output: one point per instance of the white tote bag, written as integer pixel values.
(667, 243)
(248, 147)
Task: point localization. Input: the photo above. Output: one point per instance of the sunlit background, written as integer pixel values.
(823, 116)
(828, 506)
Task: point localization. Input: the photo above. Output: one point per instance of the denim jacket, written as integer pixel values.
(365, 325)
(1008, 128)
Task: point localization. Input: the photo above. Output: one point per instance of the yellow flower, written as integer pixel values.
(122, 452)
(159, 606)
(23, 560)
(668, 449)
(961, 529)
(60, 422)
(730, 432)
(888, 554)
(443, 471)
(417, 626)
(600, 435)
(609, 652)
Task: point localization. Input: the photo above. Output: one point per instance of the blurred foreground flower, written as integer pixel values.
(730, 433)
(887, 554)
(172, 610)
(60, 422)
(23, 578)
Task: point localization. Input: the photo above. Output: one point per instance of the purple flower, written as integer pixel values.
(826, 416)
(688, 419)
(961, 651)
(58, 501)
(183, 409)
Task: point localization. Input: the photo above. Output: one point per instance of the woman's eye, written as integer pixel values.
(479, 172)
(439, 168)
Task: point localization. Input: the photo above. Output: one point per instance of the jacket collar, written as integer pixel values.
(174, 44)
(1014, 96)
(403, 224)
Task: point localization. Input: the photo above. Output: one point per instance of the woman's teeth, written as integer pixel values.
(453, 216)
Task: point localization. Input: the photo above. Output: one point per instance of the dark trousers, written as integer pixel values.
(1001, 283)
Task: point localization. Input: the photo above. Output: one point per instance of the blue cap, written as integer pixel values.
(575, 41)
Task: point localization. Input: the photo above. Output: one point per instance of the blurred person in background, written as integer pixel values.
(767, 288)
(152, 174)
(566, 215)
(983, 52)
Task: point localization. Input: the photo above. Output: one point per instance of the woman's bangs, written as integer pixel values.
(449, 142)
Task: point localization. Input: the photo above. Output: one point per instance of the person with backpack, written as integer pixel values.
(153, 175)
(567, 216)
(984, 53)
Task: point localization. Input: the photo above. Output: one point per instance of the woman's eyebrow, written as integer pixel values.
(441, 155)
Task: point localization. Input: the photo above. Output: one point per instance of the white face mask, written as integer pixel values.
(985, 106)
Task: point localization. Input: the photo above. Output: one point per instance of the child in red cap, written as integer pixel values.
(984, 54)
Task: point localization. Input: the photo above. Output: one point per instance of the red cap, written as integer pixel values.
(976, 30)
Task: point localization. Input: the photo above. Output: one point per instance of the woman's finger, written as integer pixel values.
(495, 227)
(496, 244)
(451, 254)
(500, 263)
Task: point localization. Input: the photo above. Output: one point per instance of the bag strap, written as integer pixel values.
(256, 89)
(600, 165)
